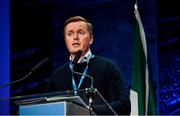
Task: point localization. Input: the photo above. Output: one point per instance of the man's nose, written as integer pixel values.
(76, 37)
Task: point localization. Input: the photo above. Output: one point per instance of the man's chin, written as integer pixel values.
(74, 51)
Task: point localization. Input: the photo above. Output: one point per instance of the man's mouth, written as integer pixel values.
(76, 44)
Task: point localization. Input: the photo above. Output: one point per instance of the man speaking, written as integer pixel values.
(107, 77)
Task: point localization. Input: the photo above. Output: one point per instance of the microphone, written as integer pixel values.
(76, 58)
(90, 92)
(39, 65)
(35, 68)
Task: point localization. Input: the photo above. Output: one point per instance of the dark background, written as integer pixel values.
(36, 28)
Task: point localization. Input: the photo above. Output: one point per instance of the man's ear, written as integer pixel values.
(91, 39)
(65, 39)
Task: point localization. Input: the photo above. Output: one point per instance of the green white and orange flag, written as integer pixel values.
(142, 94)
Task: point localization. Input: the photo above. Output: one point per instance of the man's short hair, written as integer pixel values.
(79, 18)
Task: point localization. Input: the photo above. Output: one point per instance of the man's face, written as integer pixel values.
(77, 37)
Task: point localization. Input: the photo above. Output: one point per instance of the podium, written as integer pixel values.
(58, 103)
(53, 106)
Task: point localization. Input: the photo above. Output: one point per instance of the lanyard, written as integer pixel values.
(75, 88)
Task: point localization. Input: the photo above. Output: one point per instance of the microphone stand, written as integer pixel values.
(91, 94)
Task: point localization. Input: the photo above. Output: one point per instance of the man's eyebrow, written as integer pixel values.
(70, 30)
(80, 30)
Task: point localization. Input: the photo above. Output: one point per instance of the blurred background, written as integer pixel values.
(34, 31)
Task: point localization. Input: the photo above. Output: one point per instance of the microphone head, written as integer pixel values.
(41, 63)
(78, 55)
